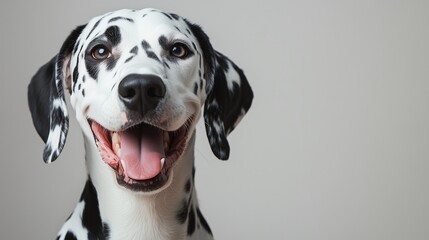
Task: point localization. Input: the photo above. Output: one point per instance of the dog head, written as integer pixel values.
(137, 81)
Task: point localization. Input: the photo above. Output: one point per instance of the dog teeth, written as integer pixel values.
(117, 149)
(124, 167)
(162, 162)
(115, 138)
(115, 143)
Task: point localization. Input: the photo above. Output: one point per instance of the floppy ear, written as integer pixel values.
(229, 95)
(46, 99)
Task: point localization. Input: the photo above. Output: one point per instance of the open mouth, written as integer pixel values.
(142, 155)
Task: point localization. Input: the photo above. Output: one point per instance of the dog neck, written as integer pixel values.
(134, 215)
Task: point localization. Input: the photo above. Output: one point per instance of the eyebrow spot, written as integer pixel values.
(121, 18)
(167, 15)
(163, 42)
(113, 34)
(175, 16)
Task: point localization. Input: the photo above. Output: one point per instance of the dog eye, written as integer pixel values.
(179, 50)
(100, 52)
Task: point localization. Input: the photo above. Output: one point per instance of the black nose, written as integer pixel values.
(141, 92)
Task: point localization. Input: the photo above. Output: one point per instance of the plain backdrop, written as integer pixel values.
(335, 146)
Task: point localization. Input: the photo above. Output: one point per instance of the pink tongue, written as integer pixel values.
(141, 152)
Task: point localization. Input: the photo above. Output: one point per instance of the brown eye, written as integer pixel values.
(100, 52)
(179, 50)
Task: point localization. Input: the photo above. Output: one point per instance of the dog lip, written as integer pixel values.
(177, 147)
(148, 185)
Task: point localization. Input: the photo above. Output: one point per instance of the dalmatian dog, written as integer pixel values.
(138, 80)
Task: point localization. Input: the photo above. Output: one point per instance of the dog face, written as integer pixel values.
(137, 81)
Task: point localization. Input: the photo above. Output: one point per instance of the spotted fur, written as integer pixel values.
(139, 43)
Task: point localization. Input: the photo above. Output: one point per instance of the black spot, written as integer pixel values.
(80, 50)
(129, 59)
(75, 47)
(83, 78)
(163, 42)
(47, 151)
(106, 231)
(189, 31)
(201, 84)
(175, 16)
(121, 18)
(113, 86)
(167, 15)
(134, 50)
(92, 67)
(70, 236)
(83, 92)
(152, 55)
(199, 73)
(57, 114)
(183, 212)
(194, 46)
(79, 86)
(94, 27)
(111, 62)
(188, 186)
(91, 219)
(145, 45)
(75, 74)
(203, 221)
(193, 174)
(177, 29)
(166, 64)
(113, 34)
(144, 15)
(191, 222)
(196, 89)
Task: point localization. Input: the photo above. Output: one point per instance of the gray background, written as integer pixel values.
(336, 145)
